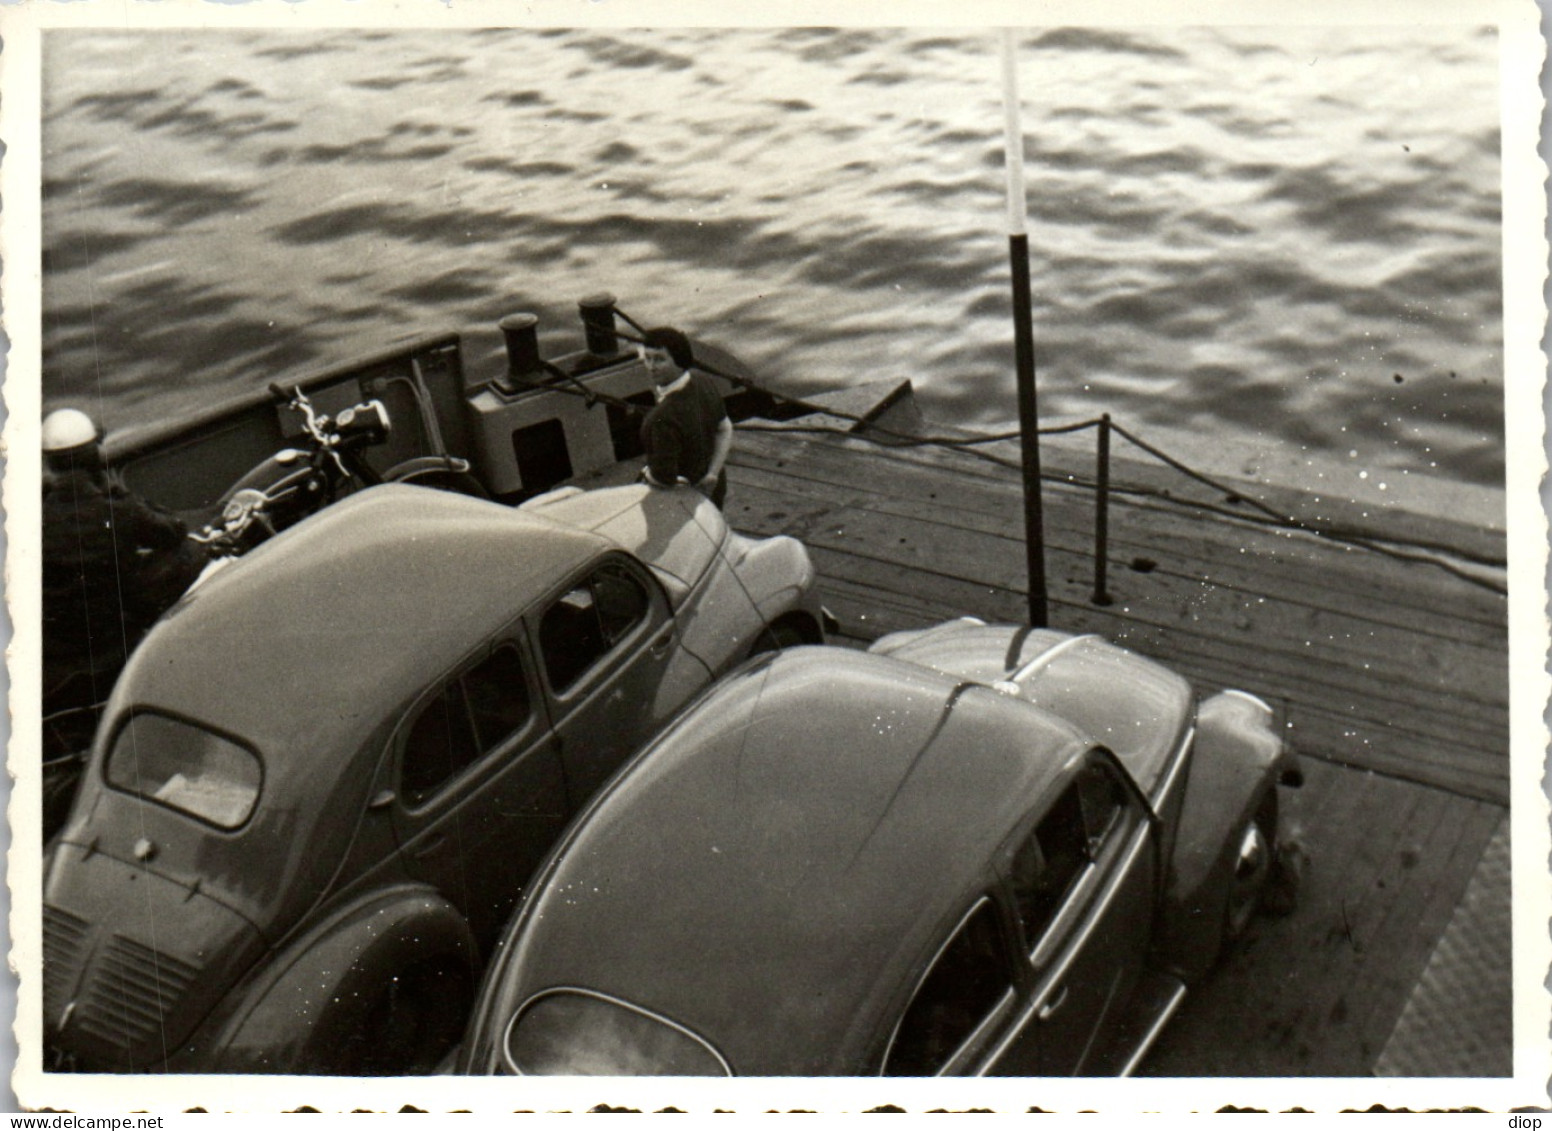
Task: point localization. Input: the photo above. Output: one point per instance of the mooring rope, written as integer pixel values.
(1415, 549)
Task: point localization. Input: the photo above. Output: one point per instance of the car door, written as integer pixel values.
(479, 794)
(611, 667)
(1082, 881)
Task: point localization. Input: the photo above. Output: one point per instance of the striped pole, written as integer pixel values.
(1023, 334)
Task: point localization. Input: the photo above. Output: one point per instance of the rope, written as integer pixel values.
(969, 445)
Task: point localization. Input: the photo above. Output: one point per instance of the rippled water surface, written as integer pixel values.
(1237, 232)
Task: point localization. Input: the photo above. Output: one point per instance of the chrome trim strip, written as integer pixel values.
(1140, 840)
(1161, 793)
(1154, 1030)
(1050, 654)
(506, 1033)
(980, 1029)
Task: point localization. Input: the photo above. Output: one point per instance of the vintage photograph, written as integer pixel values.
(959, 555)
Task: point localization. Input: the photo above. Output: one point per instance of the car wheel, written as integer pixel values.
(775, 637)
(407, 1029)
(1255, 854)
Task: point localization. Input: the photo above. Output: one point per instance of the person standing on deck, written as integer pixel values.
(112, 564)
(687, 434)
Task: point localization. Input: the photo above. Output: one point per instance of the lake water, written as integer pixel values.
(1243, 233)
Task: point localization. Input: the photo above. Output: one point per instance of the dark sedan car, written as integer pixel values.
(978, 850)
(324, 776)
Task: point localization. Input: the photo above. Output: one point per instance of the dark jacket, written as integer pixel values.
(112, 564)
(680, 432)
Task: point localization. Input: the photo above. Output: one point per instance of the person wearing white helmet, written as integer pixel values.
(112, 564)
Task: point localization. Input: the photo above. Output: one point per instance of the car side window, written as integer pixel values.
(473, 714)
(1071, 835)
(1103, 797)
(498, 696)
(970, 977)
(1048, 862)
(587, 621)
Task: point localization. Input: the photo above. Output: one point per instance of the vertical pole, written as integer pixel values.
(1023, 335)
(1102, 511)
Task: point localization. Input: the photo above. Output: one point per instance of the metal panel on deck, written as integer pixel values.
(1459, 1020)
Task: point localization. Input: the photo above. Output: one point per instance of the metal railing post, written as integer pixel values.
(1102, 511)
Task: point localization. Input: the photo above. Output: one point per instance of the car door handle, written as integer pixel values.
(661, 644)
(1052, 1004)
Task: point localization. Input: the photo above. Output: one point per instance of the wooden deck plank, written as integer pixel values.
(1432, 754)
(997, 561)
(1324, 703)
(1300, 631)
(1375, 667)
(1072, 460)
(1341, 696)
(1280, 671)
(1252, 558)
(923, 473)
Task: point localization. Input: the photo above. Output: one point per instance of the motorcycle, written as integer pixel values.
(293, 483)
(278, 492)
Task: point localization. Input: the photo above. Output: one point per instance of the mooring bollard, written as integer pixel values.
(1102, 511)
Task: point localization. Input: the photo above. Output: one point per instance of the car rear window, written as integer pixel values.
(187, 768)
(577, 1033)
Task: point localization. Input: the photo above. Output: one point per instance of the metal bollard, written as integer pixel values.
(598, 324)
(521, 332)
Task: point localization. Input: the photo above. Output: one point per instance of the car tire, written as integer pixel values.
(409, 1025)
(775, 637)
(1255, 859)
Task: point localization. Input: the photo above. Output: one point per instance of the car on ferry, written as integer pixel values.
(324, 776)
(974, 849)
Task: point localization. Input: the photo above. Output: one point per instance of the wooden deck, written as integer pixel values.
(1392, 677)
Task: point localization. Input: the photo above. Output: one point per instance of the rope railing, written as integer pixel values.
(1415, 550)
(1398, 548)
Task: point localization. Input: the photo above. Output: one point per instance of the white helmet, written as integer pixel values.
(67, 428)
(70, 442)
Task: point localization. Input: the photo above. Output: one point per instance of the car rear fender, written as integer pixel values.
(1236, 758)
(296, 1007)
(778, 575)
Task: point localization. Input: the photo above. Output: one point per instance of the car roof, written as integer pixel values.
(307, 642)
(1076, 677)
(775, 870)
